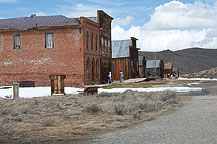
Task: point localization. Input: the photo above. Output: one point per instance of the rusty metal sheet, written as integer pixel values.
(36, 21)
(120, 48)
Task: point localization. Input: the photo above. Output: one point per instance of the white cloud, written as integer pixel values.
(8, 1)
(80, 10)
(122, 22)
(175, 25)
(40, 13)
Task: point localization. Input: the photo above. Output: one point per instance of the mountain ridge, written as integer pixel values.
(190, 60)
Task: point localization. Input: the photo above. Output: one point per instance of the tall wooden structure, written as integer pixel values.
(104, 21)
(125, 59)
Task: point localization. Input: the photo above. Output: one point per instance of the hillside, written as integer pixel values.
(211, 73)
(188, 61)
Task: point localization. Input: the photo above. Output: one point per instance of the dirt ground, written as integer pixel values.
(74, 117)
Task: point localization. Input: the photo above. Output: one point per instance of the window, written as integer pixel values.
(106, 45)
(88, 63)
(96, 39)
(109, 46)
(49, 43)
(1, 38)
(91, 43)
(102, 44)
(87, 37)
(16, 41)
(97, 69)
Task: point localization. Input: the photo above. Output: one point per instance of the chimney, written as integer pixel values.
(33, 15)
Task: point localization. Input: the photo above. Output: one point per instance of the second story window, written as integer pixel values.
(91, 43)
(109, 45)
(102, 44)
(16, 41)
(106, 45)
(96, 42)
(87, 37)
(49, 43)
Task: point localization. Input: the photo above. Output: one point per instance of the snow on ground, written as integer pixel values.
(30, 92)
(176, 89)
(199, 79)
(190, 84)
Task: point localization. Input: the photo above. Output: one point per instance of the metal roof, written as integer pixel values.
(36, 21)
(120, 48)
(150, 63)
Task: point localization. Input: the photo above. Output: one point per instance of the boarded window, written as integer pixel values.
(49, 43)
(16, 41)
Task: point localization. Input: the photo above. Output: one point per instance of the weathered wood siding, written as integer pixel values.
(120, 64)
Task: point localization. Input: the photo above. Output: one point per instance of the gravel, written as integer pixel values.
(195, 123)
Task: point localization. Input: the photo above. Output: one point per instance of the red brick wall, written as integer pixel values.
(93, 54)
(34, 62)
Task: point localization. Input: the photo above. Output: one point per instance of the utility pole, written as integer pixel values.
(155, 71)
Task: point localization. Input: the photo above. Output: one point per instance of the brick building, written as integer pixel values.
(105, 45)
(33, 48)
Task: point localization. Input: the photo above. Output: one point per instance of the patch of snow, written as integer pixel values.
(199, 79)
(30, 92)
(175, 89)
(190, 84)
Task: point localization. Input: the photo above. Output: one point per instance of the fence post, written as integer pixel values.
(16, 90)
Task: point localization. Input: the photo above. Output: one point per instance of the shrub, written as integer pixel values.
(92, 108)
(120, 109)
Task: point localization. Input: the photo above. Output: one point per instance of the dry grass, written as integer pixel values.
(75, 116)
(137, 85)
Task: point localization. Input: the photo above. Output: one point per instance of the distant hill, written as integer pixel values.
(211, 73)
(188, 61)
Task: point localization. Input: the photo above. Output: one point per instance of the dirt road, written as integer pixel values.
(195, 123)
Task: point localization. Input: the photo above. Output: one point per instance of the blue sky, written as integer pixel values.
(158, 24)
(139, 9)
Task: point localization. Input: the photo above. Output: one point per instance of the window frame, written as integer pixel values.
(46, 46)
(96, 41)
(14, 42)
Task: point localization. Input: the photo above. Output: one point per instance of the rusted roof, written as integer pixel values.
(168, 66)
(36, 21)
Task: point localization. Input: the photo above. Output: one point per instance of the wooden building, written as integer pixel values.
(125, 59)
(142, 67)
(168, 69)
(155, 68)
(104, 21)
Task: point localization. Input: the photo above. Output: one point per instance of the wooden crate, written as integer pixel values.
(57, 84)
